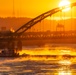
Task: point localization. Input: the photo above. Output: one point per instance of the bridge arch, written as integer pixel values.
(39, 18)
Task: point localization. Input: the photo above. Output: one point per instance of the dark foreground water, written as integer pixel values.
(40, 65)
(21, 66)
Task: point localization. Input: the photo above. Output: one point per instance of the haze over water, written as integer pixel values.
(55, 59)
(40, 62)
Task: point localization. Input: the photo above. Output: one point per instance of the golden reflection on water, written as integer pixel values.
(64, 73)
(63, 57)
(41, 53)
(48, 51)
(65, 67)
(65, 62)
(61, 52)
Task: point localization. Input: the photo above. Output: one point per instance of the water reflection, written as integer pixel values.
(64, 73)
(60, 60)
(65, 67)
(41, 61)
(48, 50)
(65, 62)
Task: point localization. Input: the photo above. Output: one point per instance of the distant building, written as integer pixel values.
(60, 27)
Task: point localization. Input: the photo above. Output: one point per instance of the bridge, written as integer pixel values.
(12, 40)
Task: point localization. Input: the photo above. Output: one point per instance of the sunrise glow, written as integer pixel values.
(64, 3)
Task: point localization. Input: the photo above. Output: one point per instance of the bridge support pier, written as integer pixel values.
(11, 48)
(19, 45)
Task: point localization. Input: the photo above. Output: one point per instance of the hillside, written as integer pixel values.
(15, 23)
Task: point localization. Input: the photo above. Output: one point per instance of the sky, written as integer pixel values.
(27, 8)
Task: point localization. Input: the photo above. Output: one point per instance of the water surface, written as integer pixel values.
(47, 60)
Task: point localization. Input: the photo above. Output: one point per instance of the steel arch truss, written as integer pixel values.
(39, 18)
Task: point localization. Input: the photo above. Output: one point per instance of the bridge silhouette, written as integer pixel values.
(13, 40)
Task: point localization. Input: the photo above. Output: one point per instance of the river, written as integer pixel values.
(41, 62)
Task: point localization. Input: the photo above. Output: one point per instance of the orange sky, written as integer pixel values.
(27, 8)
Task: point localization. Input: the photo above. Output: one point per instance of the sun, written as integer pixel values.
(63, 3)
